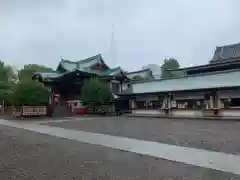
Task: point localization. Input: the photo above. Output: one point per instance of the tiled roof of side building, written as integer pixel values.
(206, 81)
(226, 52)
(144, 72)
(210, 65)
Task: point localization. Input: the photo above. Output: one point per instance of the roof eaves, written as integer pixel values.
(47, 75)
(139, 71)
(214, 63)
(127, 91)
(116, 70)
(185, 77)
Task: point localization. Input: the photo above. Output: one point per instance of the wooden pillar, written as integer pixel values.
(170, 99)
(133, 104)
(166, 104)
(211, 102)
(207, 100)
(110, 85)
(120, 87)
(215, 99)
(166, 101)
(219, 103)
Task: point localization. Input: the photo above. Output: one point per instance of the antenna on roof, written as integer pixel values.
(112, 47)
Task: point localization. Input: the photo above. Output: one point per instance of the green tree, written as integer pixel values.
(169, 64)
(27, 72)
(5, 90)
(95, 92)
(6, 72)
(7, 80)
(29, 93)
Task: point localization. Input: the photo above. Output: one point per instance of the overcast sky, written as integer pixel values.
(145, 31)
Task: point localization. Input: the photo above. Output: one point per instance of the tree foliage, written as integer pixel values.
(7, 79)
(28, 71)
(6, 73)
(29, 93)
(5, 91)
(95, 92)
(169, 64)
(25, 91)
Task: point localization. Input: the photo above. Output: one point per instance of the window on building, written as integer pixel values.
(190, 104)
(140, 105)
(235, 102)
(149, 104)
(230, 103)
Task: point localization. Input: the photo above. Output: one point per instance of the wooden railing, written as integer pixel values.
(103, 109)
(29, 111)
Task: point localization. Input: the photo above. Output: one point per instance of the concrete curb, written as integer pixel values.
(185, 117)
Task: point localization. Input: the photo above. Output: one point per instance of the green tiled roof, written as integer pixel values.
(80, 65)
(204, 81)
(83, 65)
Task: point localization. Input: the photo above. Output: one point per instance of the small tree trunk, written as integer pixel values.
(2, 110)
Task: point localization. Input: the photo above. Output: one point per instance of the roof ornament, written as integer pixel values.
(62, 58)
(221, 53)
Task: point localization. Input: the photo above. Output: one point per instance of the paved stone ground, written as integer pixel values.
(27, 155)
(221, 136)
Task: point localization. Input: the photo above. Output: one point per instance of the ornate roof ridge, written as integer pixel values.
(98, 56)
(83, 60)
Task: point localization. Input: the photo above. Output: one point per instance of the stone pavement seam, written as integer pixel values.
(198, 157)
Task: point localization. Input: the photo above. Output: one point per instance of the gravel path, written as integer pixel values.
(27, 155)
(221, 136)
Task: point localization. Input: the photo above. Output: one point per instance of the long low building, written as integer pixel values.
(206, 90)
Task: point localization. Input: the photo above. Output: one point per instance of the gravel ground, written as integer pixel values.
(221, 136)
(27, 155)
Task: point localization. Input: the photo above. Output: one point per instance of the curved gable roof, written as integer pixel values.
(226, 52)
(82, 64)
(66, 66)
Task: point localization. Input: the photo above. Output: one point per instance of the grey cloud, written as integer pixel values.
(145, 31)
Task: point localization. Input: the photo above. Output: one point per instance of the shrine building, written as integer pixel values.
(66, 81)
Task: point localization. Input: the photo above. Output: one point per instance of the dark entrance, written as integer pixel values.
(122, 105)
